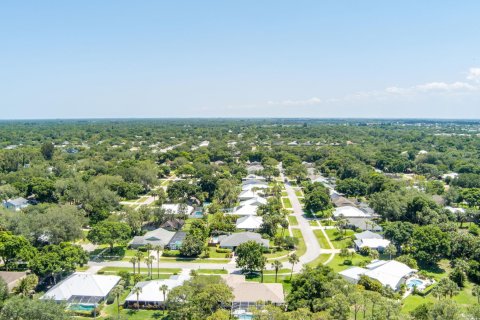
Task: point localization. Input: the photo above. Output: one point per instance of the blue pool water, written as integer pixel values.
(414, 282)
(198, 214)
(245, 317)
(82, 307)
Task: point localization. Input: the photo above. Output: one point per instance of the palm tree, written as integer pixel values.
(476, 292)
(149, 248)
(277, 265)
(284, 224)
(139, 255)
(164, 289)
(391, 250)
(117, 292)
(293, 259)
(263, 264)
(157, 249)
(137, 290)
(133, 261)
(149, 262)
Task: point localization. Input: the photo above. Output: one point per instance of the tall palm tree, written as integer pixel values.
(164, 289)
(149, 248)
(133, 261)
(139, 255)
(277, 265)
(137, 290)
(157, 249)
(263, 264)
(149, 262)
(293, 259)
(117, 292)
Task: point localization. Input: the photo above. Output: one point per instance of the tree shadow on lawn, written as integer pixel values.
(104, 254)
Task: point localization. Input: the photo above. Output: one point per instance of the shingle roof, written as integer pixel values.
(244, 291)
(236, 239)
(158, 236)
(367, 235)
(249, 222)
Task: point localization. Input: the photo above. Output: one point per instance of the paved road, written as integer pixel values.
(311, 243)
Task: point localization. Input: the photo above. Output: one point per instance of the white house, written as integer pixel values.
(390, 273)
(249, 223)
(349, 212)
(371, 240)
(82, 288)
(257, 201)
(254, 185)
(151, 294)
(455, 210)
(245, 210)
(16, 204)
(247, 194)
(177, 208)
(254, 177)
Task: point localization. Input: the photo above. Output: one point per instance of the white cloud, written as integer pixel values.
(474, 74)
(431, 88)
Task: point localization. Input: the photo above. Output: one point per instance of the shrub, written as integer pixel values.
(347, 262)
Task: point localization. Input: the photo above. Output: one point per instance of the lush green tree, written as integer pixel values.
(430, 244)
(110, 232)
(47, 150)
(249, 256)
(352, 187)
(26, 286)
(192, 246)
(226, 192)
(14, 249)
(317, 198)
(198, 298)
(18, 308)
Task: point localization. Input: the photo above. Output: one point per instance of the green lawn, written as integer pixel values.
(321, 239)
(321, 259)
(313, 223)
(301, 248)
(211, 271)
(277, 254)
(292, 220)
(193, 260)
(283, 279)
(299, 193)
(337, 262)
(214, 254)
(340, 240)
(286, 203)
(142, 270)
(284, 194)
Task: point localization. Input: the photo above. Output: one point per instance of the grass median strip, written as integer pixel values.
(321, 239)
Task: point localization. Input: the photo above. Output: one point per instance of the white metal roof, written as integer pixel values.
(82, 284)
(175, 207)
(249, 222)
(349, 212)
(151, 289)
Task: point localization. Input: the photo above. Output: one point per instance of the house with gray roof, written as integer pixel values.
(155, 237)
(16, 204)
(234, 240)
(177, 240)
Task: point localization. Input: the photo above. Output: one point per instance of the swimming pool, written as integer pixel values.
(415, 283)
(198, 214)
(245, 317)
(81, 307)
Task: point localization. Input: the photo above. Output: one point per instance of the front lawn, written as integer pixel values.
(286, 203)
(292, 220)
(301, 248)
(340, 240)
(357, 261)
(321, 239)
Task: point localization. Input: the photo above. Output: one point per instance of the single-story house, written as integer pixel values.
(247, 194)
(349, 212)
(246, 210)
(254, 185)
(235, 239)
(247, 294)
(390, 273)
(151, 294)
(254, 177)
(16, 204)
(177, 208)
(82, 288)
(155, 237)
(12, 278)
(341, 201)
(363, 224)
(177, 240)
(257, 201)
(254, 168)
(249, 223)
(173, 224)
(371, 240)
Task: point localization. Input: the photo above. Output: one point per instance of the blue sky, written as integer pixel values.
(91, 59)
